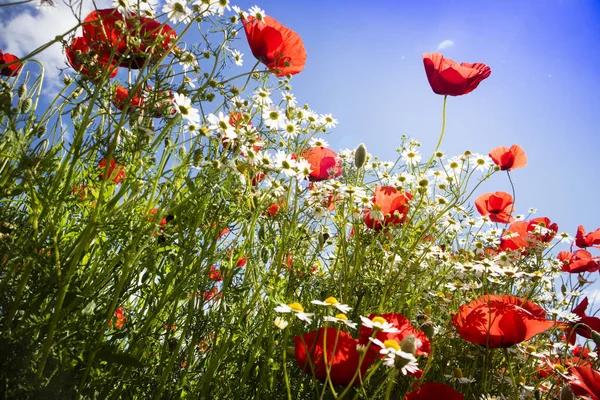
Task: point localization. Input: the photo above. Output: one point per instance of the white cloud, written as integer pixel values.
(26, 28)
(445, 44)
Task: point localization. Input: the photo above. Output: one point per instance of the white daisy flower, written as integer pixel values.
(304, 169)
(177, 11)
(237, 57)
(318, 142)
(379, 323)
(291, 100)
(183, 106)
(285, 163)
(274, 118)
(341, 319)
(296, 309)
(280, 323)
(328, 121)
(332, 302)
(257, 13)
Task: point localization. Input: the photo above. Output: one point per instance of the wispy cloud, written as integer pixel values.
(25, 28)
(445, 44)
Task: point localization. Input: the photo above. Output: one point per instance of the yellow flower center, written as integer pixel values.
(531, 349)
(331, 300)
(342, 316)
(560, 368)
(296, 307)
(379, 320)
(392, 344)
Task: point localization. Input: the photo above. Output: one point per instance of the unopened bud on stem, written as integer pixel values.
(360, 156)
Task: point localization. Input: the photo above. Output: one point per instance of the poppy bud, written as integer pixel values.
(182, 151)
(566, 393)
(428, 329)
(595, 337)
(360, 156)
(22, 90)
(26, 105)
(409, 344)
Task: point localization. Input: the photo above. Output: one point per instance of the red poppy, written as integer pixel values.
(515, 237)
(592, 322)
(434, 391)
(115, 171)
(449, 78)
(163, 222)
(542, 229)
(325, 164)
(340, 350)
(120, 99)
(591, 239)
(214, 274)
(389, 202)
(275, 45)
(586, 382)
(9, 70)
(500, 321)
(498, 206)
(579, 261)
(509, 159)
(120, 317)
(404, 327)
(274, 208)
(210, 294)
(241, 262)
(523, 234)
(88, 60)
(109, 30)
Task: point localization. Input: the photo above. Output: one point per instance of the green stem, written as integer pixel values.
(439, 143)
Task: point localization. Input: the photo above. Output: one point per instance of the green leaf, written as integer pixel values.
(121, 358)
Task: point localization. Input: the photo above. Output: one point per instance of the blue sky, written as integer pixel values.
(364, 66)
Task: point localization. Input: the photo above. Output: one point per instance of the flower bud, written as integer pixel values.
(25, 105)
(457, 373)
(22, 90)
(595, 337)
(360, 156)
(428, 329)
(410, 344)
(566, 393)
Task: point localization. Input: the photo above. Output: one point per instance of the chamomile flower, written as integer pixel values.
(257, 13)
(332, 302)
(340, 319)
(291, 100)
(280, 323)
(237, 57)
(482, 163)
(262, 97)
(274, 118)
(379, 323)
(177, 11)
(240, 13)
(183, 106)
(296, 309)
(318, 142)
(411, 157)
(391, 350)
(285, 163)
(328, 121)
(304, 169)
(220, 124)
